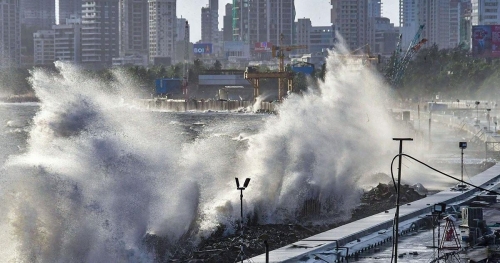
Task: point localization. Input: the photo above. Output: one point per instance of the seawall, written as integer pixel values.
(204, 105)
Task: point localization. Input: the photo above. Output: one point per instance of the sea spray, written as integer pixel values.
(92, 182)
(98, 177)
(320, 145)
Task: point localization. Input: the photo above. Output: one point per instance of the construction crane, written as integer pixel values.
(253, 75)
(279, 52)
(401, 61)
(185, 77)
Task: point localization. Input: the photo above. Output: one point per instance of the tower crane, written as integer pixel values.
(279, 52)
(185, 77)
(251, 73)
(401, 61)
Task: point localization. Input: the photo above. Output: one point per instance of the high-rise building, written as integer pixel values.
(382, 35)
(66, 8)
(99, 32)
(228, 23)
(303, 33)
(441, 20)
(181, 29)
(408, 20)
(162, 29)
(210, 22)
(181, 43)
(465, 22)
(133, 27)
(374, 8)
(485, 12)
(38, 13)
(318, 40)
(67, 40)
(264, 21)
(241, 16)
(10, 34)
(435, 15)
(44, 47)
(350, 18)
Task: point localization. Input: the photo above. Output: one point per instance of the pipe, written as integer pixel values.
(267, 250)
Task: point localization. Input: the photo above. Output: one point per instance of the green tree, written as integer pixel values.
(217, 65)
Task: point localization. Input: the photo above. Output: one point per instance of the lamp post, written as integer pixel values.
(396, 217)
(245, 185)
(477, 112)
(488, 116)
(462, 146)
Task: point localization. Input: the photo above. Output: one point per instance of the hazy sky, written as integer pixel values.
(317, 10)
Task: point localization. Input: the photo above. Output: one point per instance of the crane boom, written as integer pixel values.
(279, 52)
(401, 61)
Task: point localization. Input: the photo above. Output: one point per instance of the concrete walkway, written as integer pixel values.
(304, 250)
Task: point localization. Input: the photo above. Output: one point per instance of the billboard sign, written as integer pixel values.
(263, 47)
(486, 41)
(203, 48)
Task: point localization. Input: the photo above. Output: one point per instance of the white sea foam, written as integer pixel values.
(97, 177)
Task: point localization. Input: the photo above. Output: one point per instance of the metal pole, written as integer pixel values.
(462, 187)
(396, 217)
(241, 224)
(439, 233)
(241, 201)
(267, 251)
(430, 121)
(433, 233)
(418, 110)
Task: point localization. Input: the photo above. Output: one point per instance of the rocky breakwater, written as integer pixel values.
(224, 247)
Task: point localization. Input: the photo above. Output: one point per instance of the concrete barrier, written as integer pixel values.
(201, 105)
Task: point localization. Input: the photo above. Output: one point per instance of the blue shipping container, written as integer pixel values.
(308, 70)
(168, 86)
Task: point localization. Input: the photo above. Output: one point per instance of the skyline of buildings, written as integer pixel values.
(10, 37)
(103, 32)
(162, 30)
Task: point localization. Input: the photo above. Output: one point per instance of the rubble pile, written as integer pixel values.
(383, 197)
(226, 248)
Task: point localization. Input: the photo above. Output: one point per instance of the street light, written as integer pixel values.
(245, 185)
(488, 116)
(395, 230)
(495, 122)
(477, 112)
(462, 146)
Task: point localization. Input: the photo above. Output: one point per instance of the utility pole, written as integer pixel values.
(395, 232)
(430, 123)
(186, 61)
(462, 145)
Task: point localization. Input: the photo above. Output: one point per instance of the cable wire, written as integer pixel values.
(436, 170)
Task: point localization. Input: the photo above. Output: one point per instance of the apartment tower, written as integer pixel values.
(133, 27)
(99, 32)
(264, 21)
(350, 18)
(10, 34)
(210, 22)
(38, 13)
(162, 29)
(64, 9)
(67, 40)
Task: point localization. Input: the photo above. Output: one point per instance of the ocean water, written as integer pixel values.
(86, 175)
